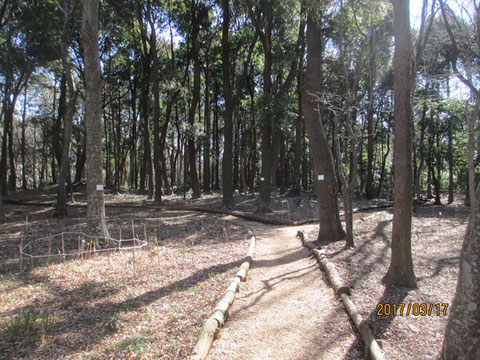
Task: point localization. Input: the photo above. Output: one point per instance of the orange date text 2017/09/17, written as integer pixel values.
(414, 309)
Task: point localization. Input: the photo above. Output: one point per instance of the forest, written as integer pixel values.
(323, 154)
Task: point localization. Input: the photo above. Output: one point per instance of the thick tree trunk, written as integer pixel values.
(96, 224)
(325, 179)
(401, 271)
(462, 335)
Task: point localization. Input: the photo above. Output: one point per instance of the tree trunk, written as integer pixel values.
(418, 175)
(369, 190)
(299, 139)
(157, 161)
(195, 99)
(266, 131)
(325, 179)
(96, 224)
(227, 161)
(207, 147)
(462, 335)
(401, 271)
(470, 154)
(24, 165)
(63, 175)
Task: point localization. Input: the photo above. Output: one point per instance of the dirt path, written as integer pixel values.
(285, 310)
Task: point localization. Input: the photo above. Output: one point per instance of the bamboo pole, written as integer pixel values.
(21, 255)
(144, 232)
(49, 248)
(155, 235)
(120, 240)
(107, 244)
(78, 247)
(225, 234)
(133, 252)
(82, 245)
(63, 248)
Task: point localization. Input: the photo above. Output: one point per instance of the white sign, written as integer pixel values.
(99, 187)
(321, 177)
(262, 179)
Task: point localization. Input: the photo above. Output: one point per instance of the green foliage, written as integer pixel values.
(114, 324)
(29, 323)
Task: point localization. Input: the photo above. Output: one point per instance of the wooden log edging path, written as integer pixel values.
(372, 349)
(220, 313)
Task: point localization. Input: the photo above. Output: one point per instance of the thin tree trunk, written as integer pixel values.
(227, 176)
(63, 176)
(195, 99)
(470, 154)
(369, 191)
(24, 165)
(207, 147)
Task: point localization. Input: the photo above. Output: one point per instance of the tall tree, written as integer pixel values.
(324, 177)
(401, 271)
(63, 176)
(227, 187)
(96, 223)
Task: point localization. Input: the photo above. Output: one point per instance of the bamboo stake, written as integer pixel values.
(155, 235)
(78, 247)
(63, 247)
(120, 240)
(82, 245)
(107, 244)
(49, 248)
(133, 252)
(31, 253)
(21, 255)
(144, 232)
(225, 234)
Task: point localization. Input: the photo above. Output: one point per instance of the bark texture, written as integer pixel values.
(96, 224)
(326, 188)
(63, 175)
(462, 335)
(227, 187)
(401, 271)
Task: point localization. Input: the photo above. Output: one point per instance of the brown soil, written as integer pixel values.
(99, 310)
(285, 310)
(437, 236)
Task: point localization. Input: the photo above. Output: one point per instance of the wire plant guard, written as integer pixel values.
(76, 244)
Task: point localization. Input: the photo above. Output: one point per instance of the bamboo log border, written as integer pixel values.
(372, 349)
(220, 313)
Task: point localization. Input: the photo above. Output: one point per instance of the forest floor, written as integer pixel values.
(437, 237)
(98, 310)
